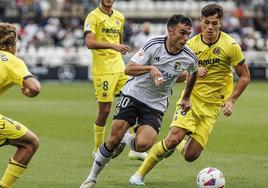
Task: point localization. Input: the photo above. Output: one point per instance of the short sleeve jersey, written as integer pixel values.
(218, 58)
(12, 71)
(106, 28)
(155, 53)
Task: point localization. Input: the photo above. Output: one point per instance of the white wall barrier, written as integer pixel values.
(67, 64)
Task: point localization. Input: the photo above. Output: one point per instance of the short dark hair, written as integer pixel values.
(178, 18)
(212, 9)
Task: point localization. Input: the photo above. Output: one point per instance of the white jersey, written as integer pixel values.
(155, 53)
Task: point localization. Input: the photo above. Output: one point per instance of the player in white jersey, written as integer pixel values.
(144, 98)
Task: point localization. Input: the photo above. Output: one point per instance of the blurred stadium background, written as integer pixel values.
(51, 42)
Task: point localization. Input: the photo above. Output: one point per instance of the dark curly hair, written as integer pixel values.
(7, 36)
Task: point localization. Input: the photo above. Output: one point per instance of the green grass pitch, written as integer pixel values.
(63, 115)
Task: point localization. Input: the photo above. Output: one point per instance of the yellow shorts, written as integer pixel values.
(10, 129)
(108, 85)
(199, 120)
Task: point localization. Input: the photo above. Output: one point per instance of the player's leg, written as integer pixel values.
(199, 137)
(99, 126)
(26, 143)
(104, 87)
(192, 150)
(159, 151)
(104, 154)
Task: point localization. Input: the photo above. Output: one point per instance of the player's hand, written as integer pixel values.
(202, 72)
(122, 48)
(185, 106)
(26, 91)
(227, 108)
(157, 76)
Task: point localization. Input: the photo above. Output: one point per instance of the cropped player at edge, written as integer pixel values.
(13, 71)
(217, 53)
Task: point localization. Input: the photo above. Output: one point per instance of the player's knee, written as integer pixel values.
(172, 142)
(113, 142)
(142, 146)
(34, 144)
(190, 157)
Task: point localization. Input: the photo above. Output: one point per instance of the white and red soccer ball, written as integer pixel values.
(210, 178)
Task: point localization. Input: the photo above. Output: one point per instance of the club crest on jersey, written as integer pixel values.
(177, 65)
(216, 51)
(117, 22)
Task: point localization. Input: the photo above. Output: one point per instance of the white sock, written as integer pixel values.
(99, 163)
(127, 138)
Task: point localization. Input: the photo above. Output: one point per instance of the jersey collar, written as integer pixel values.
(105, 12)
(167, 49)
(210, 44)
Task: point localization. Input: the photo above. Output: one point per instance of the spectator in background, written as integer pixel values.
(142, 37)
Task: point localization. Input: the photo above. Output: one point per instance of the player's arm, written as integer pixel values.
(242, 71)
(244, 78)
(185, 103)
(202, 72)
(135, 69)
(30, 87)
(94, 44)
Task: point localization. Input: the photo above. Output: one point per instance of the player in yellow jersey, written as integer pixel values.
(103, 29)
(217, 53)
(13, 71)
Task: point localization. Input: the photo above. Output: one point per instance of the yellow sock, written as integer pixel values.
(99, 132)
(13, 171)
(156, 154)
(181, 146)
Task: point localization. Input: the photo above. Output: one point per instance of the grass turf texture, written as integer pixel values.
(63, 116)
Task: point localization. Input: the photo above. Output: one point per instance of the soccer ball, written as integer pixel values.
(210, 178)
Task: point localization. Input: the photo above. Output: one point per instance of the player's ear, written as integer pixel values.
(170, 29)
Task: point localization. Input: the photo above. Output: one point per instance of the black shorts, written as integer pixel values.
(137, 113)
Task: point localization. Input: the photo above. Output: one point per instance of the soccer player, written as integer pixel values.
(144, 98)
(217, 52)
(14, 71)
(103, 29)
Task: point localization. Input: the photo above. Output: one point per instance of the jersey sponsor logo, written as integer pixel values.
(167, 75)
(216, 51)
(110, 30)
(209, 61)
